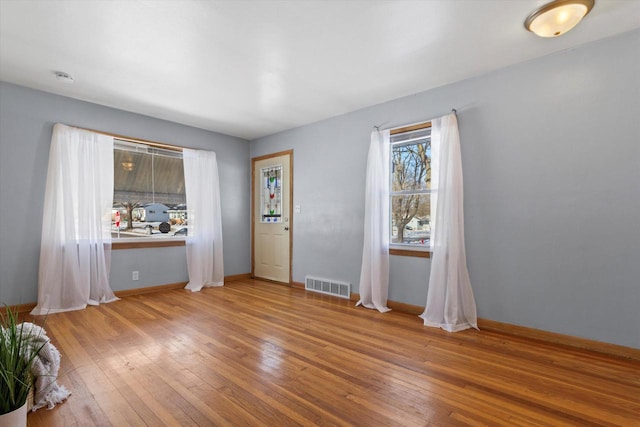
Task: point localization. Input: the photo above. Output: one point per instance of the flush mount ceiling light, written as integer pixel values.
(63, 77)
(558, 17)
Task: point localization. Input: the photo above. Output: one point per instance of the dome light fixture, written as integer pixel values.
(128, 165)
(556, 18)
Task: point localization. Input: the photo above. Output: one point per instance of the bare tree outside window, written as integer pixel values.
(410, 187)
(129, 207)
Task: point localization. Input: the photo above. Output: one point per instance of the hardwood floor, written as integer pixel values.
(255, 353)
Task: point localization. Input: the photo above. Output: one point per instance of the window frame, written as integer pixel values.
(402, 249)
(144, 242)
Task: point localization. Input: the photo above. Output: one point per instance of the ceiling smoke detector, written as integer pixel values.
(63, 77)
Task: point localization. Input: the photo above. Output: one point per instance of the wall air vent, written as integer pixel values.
(327, 286)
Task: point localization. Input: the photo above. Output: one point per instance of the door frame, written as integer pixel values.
(253, 209)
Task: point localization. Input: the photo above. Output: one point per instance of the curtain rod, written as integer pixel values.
(134, 140)
(453, 110)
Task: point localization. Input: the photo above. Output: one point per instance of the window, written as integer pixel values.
(270, 194)
(149, 193)
(410, 187)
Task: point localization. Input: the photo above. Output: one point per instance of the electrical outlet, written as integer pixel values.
(297, 208)
(135, 275)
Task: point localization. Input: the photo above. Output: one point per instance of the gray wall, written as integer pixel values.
(551, 159)
(26, 121)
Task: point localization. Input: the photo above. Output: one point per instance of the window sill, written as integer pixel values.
(139, 243)
(410, 252)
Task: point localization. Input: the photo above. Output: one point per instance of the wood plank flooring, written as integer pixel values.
(253, 353)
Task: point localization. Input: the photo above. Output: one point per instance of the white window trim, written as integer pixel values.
(406, 246)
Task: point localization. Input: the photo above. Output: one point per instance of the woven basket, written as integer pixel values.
(31, 398)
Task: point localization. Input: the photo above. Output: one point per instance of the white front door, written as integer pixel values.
(271, 189)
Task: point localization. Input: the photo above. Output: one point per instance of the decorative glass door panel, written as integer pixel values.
(271, 194)
(271, 205)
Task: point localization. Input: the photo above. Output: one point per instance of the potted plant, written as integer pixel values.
(17, 354)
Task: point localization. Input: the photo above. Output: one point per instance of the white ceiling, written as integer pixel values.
(254, 68)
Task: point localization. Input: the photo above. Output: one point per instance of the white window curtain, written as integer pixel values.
(204, 240)
(374, 275)
(450, 301)
(75, 254)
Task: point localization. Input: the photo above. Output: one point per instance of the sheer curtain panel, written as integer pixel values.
(374, 275)
(450, 301)
(75, 253)
(204, 240)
